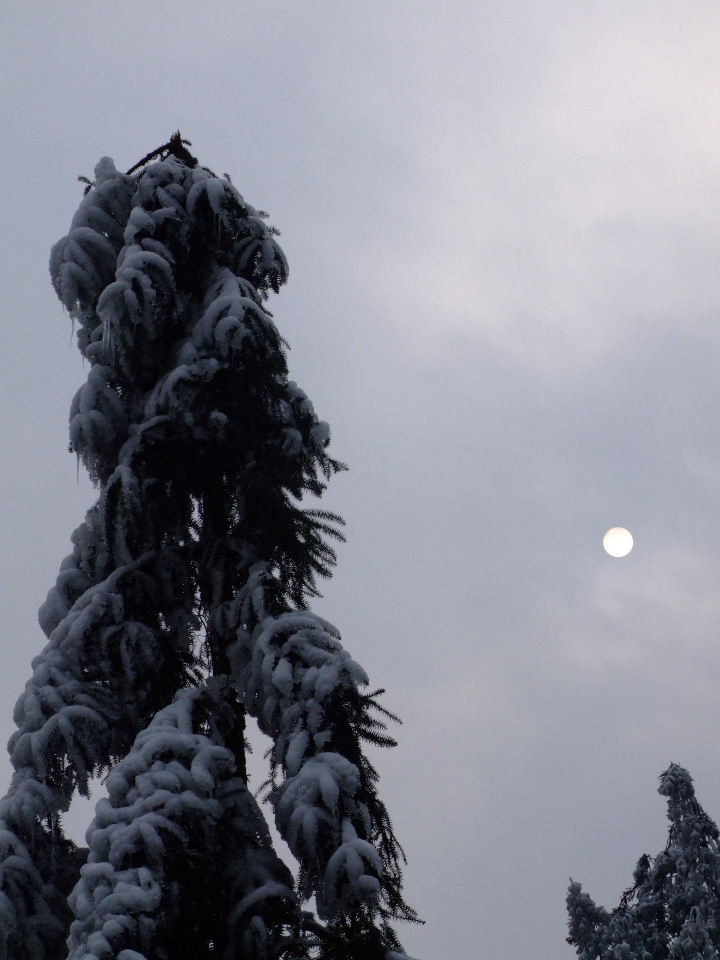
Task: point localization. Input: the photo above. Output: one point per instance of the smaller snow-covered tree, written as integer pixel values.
(672, 911)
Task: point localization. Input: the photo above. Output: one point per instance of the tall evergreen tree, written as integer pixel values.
(183, 607)
(672, 911)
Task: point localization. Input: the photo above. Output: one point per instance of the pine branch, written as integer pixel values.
(174, 147)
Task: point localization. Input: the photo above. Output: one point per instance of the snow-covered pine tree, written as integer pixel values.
(673, 908)
(182, 608)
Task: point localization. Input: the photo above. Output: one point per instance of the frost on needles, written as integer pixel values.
(183, 607)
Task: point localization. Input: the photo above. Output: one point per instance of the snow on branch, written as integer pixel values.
(174, 804)
(303, 688)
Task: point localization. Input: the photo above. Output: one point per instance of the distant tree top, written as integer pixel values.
(672, 911)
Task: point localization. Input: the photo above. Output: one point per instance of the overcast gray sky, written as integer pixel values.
(503, 228)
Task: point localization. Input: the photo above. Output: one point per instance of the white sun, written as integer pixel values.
(618, 542)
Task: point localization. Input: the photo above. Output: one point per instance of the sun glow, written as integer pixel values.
(618, 542)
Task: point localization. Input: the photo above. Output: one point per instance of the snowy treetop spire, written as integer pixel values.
(183, 607)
